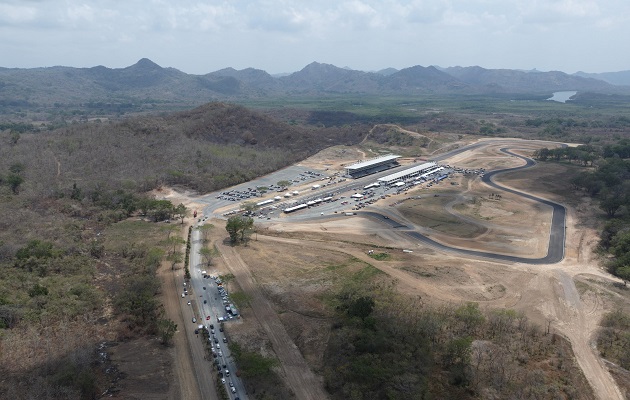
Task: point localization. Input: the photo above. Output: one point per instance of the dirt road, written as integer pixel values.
(193, 373)
(184, 376)
(578, 326)
(543, 292)
(297, 373)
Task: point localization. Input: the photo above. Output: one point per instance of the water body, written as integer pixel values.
(562, 97)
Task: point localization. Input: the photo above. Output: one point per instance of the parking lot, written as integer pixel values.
(318, 193)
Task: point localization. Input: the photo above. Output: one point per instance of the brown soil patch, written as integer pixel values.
(148, 370)
(297, 265)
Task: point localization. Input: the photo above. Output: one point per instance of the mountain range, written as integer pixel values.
(146, 81)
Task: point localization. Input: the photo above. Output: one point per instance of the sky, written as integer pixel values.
(281, 36)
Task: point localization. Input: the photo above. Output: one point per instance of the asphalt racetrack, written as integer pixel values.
(555, 250)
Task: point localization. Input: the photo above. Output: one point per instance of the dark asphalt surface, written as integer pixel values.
(555, 250)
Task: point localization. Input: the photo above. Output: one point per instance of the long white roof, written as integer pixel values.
(374, 161)
(408, 171)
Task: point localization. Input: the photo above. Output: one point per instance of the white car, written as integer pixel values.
(183, 295)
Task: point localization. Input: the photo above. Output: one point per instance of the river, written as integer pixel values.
(562, 97)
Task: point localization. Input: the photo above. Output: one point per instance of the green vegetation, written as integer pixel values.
(252, 365)
(166, 329)
(83, 209)
(613, 340)
(239, 227)
(609, 183)
(384, 346)
(380, 256)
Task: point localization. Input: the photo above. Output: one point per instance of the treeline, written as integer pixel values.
(563, 123)
(402, 349)
(583, 154)
(609, 184)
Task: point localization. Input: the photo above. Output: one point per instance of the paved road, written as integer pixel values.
(555, 249)
(205, 301)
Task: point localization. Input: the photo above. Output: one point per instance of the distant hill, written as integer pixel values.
(327, 78)
(423, 79)
(387, 71)
(146, 83)
(614, 78)
(514, 81)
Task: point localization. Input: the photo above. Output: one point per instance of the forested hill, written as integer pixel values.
(207, 148)
(150, 84)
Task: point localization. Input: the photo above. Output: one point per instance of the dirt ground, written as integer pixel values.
(275, 270)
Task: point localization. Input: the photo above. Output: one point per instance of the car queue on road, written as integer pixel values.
(210, 301)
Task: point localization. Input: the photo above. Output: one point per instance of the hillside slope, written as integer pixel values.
(210, 147)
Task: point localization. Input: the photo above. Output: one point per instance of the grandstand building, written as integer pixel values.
(372, 166)
(422, 169)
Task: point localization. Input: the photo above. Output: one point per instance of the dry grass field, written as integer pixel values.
(301, 266)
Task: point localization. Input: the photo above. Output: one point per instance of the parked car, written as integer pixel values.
(194, 320)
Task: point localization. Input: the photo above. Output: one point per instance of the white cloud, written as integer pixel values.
(15, 14)
(280, 34)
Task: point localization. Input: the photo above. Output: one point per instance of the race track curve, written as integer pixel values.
(555, 249)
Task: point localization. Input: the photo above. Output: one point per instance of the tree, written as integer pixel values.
(14, 181)
(238, 227)
(175, 258)
(182, 211)
(611, 201)
(207, 254)
(205, 231)
(76, 192)
(284, 184)
(611, 204)
(159, 210)
(623, 273)
(249, 206)
(171, 229)
(166, 329)
(361, 307)
(471, 317)
(174, 243)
